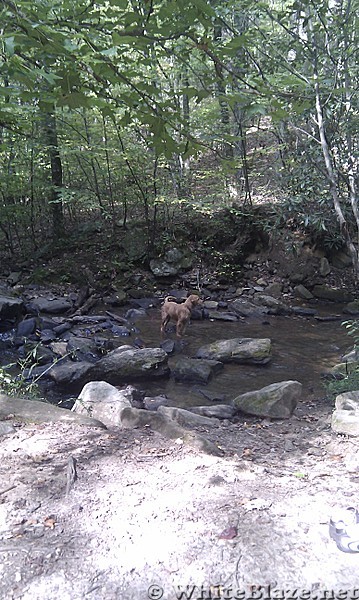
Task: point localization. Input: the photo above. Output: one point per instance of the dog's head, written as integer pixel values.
(194, 300)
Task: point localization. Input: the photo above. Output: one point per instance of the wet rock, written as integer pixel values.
(325, 292)
(345, 418)
(219, 411)
(126, 364)
(276, 401)
(196, 370)
(238, 350)
(187, 418)
(71, 375)
(102, 401)
(26, 328)
(33, 411)
(10, 308)
(223, 316)
(52, 306)
(132, 417)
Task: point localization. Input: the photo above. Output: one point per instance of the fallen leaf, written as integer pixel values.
(50, 522)
(336, 457)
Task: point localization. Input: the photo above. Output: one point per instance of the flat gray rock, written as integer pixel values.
(33, 411)
(127, 364)
(238, 350)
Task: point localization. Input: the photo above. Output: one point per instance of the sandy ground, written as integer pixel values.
(152, 518)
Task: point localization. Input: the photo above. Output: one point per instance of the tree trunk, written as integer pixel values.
(56, 175)
(331, 176)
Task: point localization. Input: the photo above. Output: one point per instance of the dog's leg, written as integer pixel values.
(164, 323)
(181, 327)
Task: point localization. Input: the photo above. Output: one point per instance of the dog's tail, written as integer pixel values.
(170, 299)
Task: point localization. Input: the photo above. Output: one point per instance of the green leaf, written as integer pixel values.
(74, 100)
(10, 45)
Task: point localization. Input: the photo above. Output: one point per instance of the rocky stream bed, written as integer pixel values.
(131, 510)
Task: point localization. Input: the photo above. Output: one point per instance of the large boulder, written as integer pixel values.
(102, 401)
(196, 370)
(238, 350)
(345, 418)
(126, 364)
(33, 411)
(10, 308)
(276, 401)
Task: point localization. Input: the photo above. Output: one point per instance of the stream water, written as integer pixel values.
(302, 349)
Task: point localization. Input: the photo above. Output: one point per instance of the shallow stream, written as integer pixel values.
(303, 348)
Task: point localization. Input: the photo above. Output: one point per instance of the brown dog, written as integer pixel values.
(181, 313)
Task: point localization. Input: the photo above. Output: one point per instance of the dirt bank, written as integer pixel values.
(146, 511)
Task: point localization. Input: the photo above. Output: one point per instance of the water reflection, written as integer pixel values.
(302, 349)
